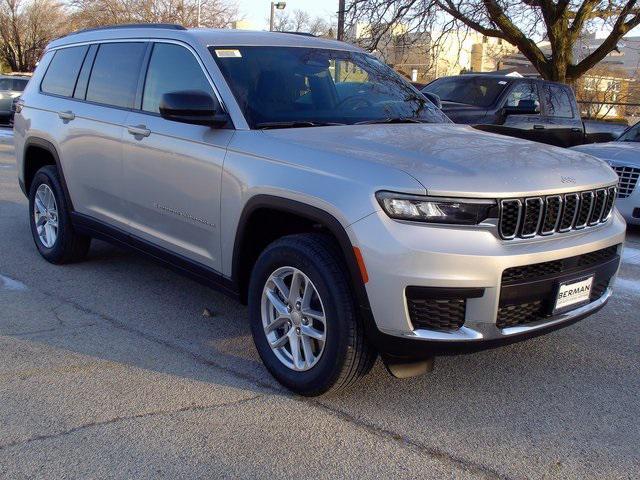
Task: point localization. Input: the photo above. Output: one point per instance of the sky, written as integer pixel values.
(257, 11)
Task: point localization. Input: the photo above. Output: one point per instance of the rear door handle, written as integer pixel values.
(67, 115)
(138, 130)
(538, 127)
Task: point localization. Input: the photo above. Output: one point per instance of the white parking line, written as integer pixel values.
(6, 133)
(7, 283)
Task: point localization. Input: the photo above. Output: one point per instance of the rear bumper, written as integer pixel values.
(400, 255)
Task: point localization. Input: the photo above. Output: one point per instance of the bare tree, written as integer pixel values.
(214, 13)
(519, 22)
(26, 26)
(301, 21)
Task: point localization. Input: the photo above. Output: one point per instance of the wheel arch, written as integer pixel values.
(39, 152)
(243, 259)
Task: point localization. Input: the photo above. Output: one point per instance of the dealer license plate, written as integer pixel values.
(571, 294)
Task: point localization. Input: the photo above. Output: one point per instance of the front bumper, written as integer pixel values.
(630, 205)
(398, 255)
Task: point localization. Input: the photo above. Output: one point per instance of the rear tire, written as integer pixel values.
(336, 362)
(50, 220)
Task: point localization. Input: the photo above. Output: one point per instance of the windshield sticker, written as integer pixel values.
(228, 53)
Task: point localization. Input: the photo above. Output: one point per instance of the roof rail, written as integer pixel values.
(304, 34)
(165, 26)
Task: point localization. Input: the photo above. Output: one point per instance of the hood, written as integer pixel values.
(457, 160)
(617, 152)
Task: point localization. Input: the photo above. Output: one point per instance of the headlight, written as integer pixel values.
(456, 211)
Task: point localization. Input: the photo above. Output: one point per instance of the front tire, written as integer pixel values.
(50, 220)
(303, 316)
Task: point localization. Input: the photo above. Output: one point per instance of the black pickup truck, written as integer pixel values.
(528, 108)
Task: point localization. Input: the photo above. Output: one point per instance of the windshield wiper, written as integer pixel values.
(392, 120)
(295, 124)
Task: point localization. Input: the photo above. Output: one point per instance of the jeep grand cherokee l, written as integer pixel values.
(306, 178)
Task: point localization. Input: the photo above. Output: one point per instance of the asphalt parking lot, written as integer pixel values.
(108, 369)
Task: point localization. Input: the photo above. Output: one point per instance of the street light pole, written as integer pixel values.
(274, 5)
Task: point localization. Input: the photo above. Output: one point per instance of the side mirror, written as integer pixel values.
(192, 106)
(433, 98)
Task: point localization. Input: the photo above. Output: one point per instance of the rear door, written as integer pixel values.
(172, 171)
(91, 149)
(561, 119)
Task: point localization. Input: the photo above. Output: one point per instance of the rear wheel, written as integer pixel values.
(303, 317)
(51, 226)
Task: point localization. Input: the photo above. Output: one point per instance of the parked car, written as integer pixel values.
(353, 221)
(11, 86)
(528, 108)
(623, 156)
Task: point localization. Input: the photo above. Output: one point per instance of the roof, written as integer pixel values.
(204, 36)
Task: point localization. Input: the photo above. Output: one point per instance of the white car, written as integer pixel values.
(623, 155)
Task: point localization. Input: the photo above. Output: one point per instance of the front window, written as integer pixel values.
(469, 90)
(292, 86)
(631, 135)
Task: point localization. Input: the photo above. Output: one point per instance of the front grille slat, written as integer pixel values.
(528, 217)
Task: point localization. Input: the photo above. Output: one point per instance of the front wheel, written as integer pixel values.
(50, 220)
(303, 316)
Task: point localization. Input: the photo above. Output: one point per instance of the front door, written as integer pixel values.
(172, 171)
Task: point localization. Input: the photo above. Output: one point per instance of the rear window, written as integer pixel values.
(114, 77)
(477, 91)
(60, 78)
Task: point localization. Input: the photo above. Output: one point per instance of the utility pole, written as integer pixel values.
(274, 5)
(341, 8)
(199, 11)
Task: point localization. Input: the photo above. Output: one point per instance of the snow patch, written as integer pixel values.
(11, 284)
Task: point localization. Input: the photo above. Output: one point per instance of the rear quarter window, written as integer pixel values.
(60, 77)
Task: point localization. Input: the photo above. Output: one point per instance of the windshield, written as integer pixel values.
(631, 135)
(477, 91)
(292, 86)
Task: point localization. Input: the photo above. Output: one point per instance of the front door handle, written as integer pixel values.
(538, 127)
(67, 116)
(138, 130)
(576, 129)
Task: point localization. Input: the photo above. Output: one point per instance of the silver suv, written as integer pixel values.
(306, 178)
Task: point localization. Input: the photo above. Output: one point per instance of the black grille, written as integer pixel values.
(628, 179)
(513, 315)
(532, 216)
(608, 204)
(437, 314)
(530, 312)
(537, 270)
(598, 206)
(584, 212)
(528, 217)
(551, 215)
(510, 218)
(569, 211)
(436, 308)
